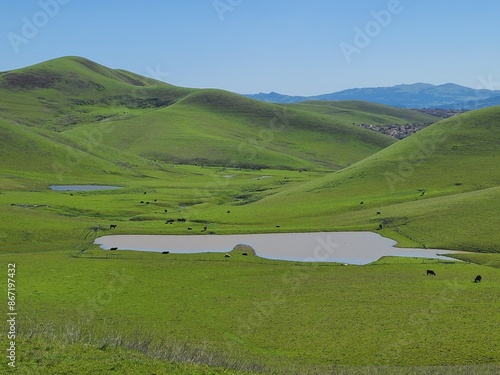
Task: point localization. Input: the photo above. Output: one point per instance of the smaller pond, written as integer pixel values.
(343, 247)
(83, 187)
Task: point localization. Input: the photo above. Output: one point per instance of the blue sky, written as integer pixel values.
(294, 47)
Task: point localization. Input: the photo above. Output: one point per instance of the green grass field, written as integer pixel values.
(197, 154)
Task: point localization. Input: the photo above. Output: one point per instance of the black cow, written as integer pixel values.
(189, 228)
(227, 256)
(112, 226)
(478, 279)
(114, 248)
(431, 272)
(165, 252)
(244, 254)
(228, 211)
(378, 212)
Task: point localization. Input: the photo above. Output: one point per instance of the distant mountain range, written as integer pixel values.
(418, 95)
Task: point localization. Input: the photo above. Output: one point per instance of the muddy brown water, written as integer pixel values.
(344, 247)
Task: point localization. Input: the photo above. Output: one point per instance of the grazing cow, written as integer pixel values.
(205, 228)
(227, 256)
(244, 254)
(380, 226)
(228, 211)
(142, 201)
(189, 228)
(165, 252)
(478, 279)
(147, 202)
(277, 226)
(431, 272)
(144, 192)
(114, 248)
(112, 226)
(378, 213)
(181, 220)
(361, 202)
(165, 211)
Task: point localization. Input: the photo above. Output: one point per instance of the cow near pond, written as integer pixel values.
(431, 272)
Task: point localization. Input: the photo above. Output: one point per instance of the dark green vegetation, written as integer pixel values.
(235, 165)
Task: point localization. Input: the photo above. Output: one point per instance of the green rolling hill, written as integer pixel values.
(74, 102)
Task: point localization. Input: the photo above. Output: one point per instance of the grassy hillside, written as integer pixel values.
(235, 131)
(281, 315)
(161, 122)
(63, 92)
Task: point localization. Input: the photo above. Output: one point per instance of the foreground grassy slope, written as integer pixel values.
(276, 314)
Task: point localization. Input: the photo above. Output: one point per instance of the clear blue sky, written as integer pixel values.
(294, 47)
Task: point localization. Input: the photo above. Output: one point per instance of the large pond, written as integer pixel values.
(344, 247)
(83, 187)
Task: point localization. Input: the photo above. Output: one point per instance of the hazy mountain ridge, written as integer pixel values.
(418, 95)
